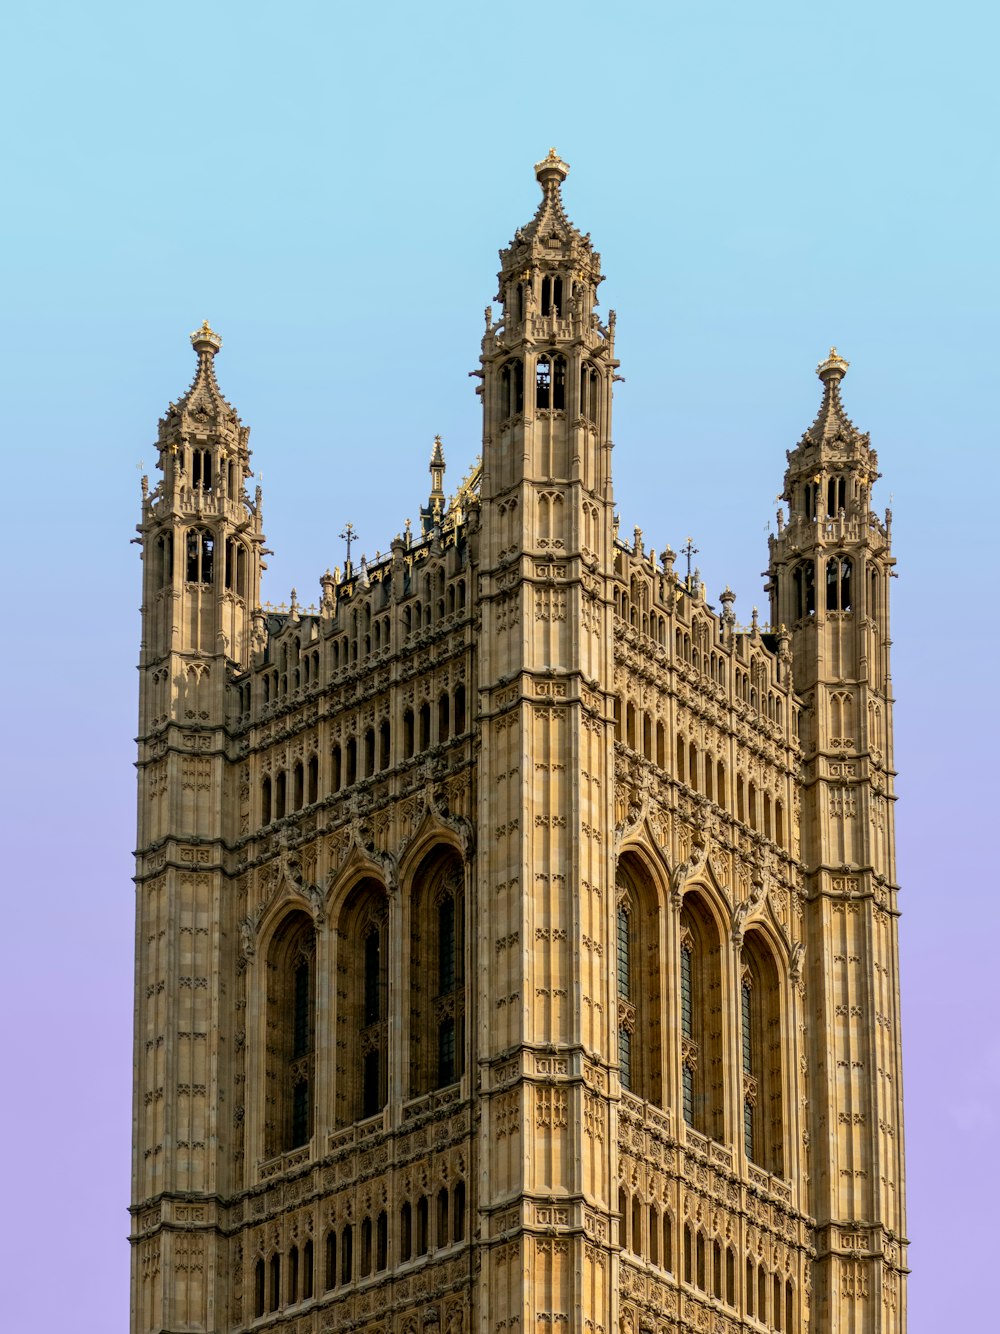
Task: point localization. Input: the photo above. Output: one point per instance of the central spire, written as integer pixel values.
(832, 421)
(550, 268)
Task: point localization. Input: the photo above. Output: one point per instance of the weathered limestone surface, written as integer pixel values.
(516, 944)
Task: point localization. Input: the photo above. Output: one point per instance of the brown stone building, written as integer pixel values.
(516, 940)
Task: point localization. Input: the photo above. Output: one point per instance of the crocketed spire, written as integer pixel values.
(550, 219)
(832, 422)
(203, 409)
(550, 242)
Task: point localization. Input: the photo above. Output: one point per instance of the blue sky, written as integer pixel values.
(330, 186)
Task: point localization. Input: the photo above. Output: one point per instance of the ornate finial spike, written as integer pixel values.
(834, 367)
(206, 339)
(551, 170)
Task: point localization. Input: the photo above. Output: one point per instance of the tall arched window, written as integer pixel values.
(164, 574)
(437, 973)
(384, 746)
(559, 382)
(589, 391)
(838, 583)
(291, 1035)
(701, 1019)
(552, 289)
(804, 587)
(425, 726)
(200, 556)
(543, 382)
(362, 1020)
(639, 981)
(626, 1011)
(201, 469)
(512, 389)
(235, 574)
(460, 723)
(760, 1003)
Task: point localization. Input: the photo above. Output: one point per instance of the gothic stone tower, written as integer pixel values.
(516, 935)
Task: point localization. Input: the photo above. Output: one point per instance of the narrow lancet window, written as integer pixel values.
(749, 1088)
(689, 1053)
(543, 383)
(559, 383)
(291, 1042)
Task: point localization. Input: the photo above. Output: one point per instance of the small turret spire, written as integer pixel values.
(203, 407)
(831, 420)
(431, 516)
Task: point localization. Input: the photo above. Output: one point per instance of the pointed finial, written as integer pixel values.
(437, 454)
(206, 339)
(551, 171)
(833, 368)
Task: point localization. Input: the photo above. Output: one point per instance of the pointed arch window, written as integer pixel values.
(762, 1056)
(626, 1013)
(511, 389)
(839, 571)
(437, 973)
(749, 1083)
(200, 556)
(804, 588)
(702, 1079)
(543, 382)
(201, 469)
(559, 382)
(291, 1035)
(164, 560)
(589, 391)
(836, 496)
(638, 981)
(235, 576)
(362, 1021)
(689, 1050)
(259, 1288)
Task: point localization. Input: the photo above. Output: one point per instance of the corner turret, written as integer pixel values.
(829, 571)
(200, 533)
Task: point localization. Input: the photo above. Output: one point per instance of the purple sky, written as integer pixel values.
(330, 189)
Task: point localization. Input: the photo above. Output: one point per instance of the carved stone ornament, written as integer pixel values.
(750, 906)
(290, 873)
(637, 801)
(438, 810)
(685, 871)
(362, 840)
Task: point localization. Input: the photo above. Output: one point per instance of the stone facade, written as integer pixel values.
(516, 933)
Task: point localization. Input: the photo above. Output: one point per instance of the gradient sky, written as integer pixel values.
(329, 186)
